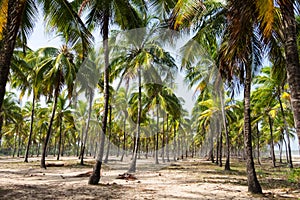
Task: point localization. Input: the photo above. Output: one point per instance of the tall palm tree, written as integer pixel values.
(64, 121)
(292, 56)
(57, 69)
(141, 54)
(18, 21)
(240, 53)
(9, 31)
(11, 111)
(161, 97)
(100, 13)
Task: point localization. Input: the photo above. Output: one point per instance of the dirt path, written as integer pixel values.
(192, 179)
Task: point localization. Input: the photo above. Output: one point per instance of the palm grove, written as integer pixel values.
(143, 114)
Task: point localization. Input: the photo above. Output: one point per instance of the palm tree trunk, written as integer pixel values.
(221, 147)
(19, 143)
(43, 159)
(286, 148)
(15, 145)
(225, 124)
(272, 142)
(60, 138)
(217, 151)
(132, 167)
(292, 57)
(258, 144)
(95, 177)
(7, 44)
(157, 133)
(109, 136)
(174, 142)
(178, 144)
(167, 140)
(280, 151)
(253, 184)
(163, 139)
(91, 97)
(124, 138)
(290, 163)
(1, 124)
(31, 129)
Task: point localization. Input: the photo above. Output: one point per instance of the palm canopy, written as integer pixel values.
(123, 13)
(141, 48)
(56, 67)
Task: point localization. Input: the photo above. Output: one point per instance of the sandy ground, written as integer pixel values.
(189, 179)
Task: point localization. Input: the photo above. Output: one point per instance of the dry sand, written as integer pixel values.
(189, 179)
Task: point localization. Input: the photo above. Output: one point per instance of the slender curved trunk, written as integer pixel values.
(225, 124)
(286, 148)
(163, 139)
(1, 124)
(280, 145)
(167, 140)
(43, 159)
(292, 57)
(19, 143)
(95, 177)
(87, 126)
(60, 138)
(109, 136)
(174, 142)
(253, 184)
(221, 148)
(272, 142)
(124, 138)
(258, 144)
(132, 167)
(290, 163)
(7, 44)
(157, 133)
(217, 151)
(31, 129)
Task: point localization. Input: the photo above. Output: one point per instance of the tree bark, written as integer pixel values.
(132, 167)
(221, 148)
(124, 137)
(292, 58)
(258, 144)
(1, 124)
(163, 139)
(60, 138)
(253, 184)
(174, 141)
(7, 44)
(95, 177)
(167, 140)
(272, 142)
(91, 97)
(109, 136)
(31, 128)
(157, 133)
(290, 163)
(43, 159)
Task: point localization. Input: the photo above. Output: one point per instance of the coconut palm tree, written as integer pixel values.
(18, 21)
(11, 112)
(140, 54)
(271, 89)
(161, 97)
(292, 57)
(64, 121)
(100, 13)
(56, 68)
